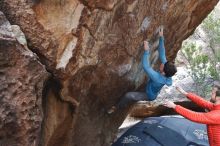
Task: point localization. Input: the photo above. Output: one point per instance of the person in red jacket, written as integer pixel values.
(210, 118)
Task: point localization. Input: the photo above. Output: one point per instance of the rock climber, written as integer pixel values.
(156, 80)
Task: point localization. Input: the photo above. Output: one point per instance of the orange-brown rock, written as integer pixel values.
(93, 50)
(142, 110)
(22, 79)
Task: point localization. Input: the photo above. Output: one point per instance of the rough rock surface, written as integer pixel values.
(22, 77)
(93, 49)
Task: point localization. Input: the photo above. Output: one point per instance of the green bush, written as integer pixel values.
(204, 66)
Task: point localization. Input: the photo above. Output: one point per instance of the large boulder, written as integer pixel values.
(93, 49)
(22, 79)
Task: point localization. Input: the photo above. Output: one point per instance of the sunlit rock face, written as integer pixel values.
(93, 50)
(22, 78)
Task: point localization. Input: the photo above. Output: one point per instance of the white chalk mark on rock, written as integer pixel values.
(145, 24)
(67, 54)
(76, 16)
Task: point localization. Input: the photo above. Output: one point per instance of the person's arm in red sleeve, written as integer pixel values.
(196, 99)
(212, 117)
(200, 101)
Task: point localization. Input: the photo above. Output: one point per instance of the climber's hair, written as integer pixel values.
(169, 69)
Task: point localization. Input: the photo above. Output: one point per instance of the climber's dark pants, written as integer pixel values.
(131, 98)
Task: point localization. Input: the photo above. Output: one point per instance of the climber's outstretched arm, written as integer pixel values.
(152, 74)
(161, 48)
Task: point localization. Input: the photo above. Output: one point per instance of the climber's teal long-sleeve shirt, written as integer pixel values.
(156, 80)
